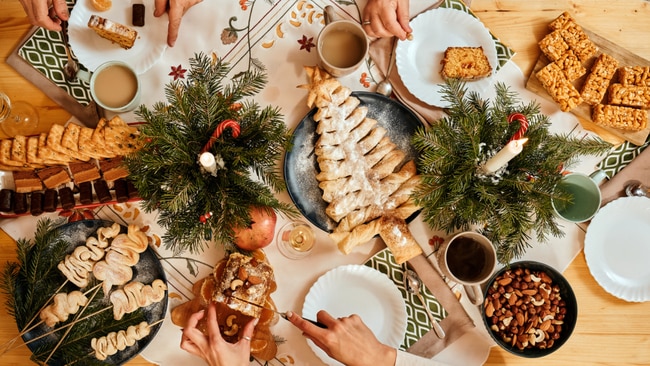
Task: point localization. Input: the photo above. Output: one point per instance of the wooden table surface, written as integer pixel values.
(609, 330)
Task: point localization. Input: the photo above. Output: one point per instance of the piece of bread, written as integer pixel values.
(600, 75)
(623, 118)
(398, 239)
(115, 32)
(558, 87)
(5, 154)
(46, 153)
(465, 63)
(54, 141)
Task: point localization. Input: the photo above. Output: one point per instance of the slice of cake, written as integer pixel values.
(53, 177)
(84, 171)
(118, 33)
(113, 169)
(27, 181)
(245, 281)
(465, 63)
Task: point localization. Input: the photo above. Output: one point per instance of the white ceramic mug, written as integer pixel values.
(468, 258)
(585, 196)
(114, 86)
(342, 45)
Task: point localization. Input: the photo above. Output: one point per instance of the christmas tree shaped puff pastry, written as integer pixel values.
(363, 175)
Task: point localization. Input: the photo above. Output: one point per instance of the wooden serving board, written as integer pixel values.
(583, 111)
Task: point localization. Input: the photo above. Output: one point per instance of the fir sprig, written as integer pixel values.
(455, 195)
(166, 172)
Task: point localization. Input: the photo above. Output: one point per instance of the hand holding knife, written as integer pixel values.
(281, 314)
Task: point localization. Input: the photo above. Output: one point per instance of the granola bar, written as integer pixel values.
(637, 75)
(553, 45)
(558, 87)
(630, 95)
(578, 41)
(623, 118)
(600, 75)
(561, 21)
(571, 65)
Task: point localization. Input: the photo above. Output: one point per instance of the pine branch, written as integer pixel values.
(455, 195)
(166, 173)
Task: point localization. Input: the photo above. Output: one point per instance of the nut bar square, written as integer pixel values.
(578, 41)
(636, 75)
(571, 65)
(558, 87)
(623, 118)
(598, 80)
(561, 21)
(553, 45)
(630, 95)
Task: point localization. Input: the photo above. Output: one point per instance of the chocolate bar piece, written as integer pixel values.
(36, 203)
(138, 15)
(50, 200)
(66, 197)
(121, 190)
(133, 192)
(85, 193)
(20, 203)
(101, 190)
(6, 200)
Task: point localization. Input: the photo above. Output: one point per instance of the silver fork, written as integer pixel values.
(71, 67)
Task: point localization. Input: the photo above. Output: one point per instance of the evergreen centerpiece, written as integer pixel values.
(507, 204)
(205, 196)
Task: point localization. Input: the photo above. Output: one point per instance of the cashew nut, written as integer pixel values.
(535, 302)
(232, 331)
(539, 335)
(236, 283)
(230, 320)
(534, 278)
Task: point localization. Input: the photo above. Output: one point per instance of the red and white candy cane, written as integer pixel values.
(523, 125)
(229, 123)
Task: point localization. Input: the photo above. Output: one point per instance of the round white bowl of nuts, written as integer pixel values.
(530, 309)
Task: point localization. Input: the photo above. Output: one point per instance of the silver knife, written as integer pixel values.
(281, 314)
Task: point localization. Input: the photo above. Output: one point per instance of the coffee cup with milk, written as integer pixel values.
(342, 45)
(114, 86)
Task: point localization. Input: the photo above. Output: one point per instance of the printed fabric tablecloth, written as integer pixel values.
(280, 37)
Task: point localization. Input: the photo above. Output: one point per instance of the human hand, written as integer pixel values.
(40, 14)
(176, 9)
(387, 18)
(213, 348)
(347, 340)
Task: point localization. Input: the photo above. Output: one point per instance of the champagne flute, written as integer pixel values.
(17, 118)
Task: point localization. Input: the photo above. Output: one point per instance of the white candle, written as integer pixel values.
(208, 162)
(512, 149)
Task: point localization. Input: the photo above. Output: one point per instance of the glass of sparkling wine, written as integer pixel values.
(295, 239)
(17, 118)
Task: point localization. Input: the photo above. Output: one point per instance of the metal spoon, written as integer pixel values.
(71, 67)
(412, 282)
(636, 189)
(384, 87)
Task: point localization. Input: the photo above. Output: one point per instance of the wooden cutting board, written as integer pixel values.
(583, 111)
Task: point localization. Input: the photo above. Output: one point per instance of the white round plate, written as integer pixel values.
(92, 50)
(361, 290)
(617, 248)
(418, 61)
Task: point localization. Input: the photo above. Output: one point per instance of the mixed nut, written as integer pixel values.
(525, 309)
